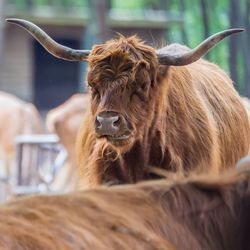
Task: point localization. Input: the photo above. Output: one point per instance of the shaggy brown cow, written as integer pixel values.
(65, 120)
(147, 111)
(200, 213)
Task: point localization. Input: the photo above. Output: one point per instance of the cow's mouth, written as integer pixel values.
(118, 138)
(119, 141)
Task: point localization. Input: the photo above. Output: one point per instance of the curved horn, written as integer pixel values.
(49, 44)
(181, 57)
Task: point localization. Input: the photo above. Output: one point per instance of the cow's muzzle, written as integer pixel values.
(112, 125)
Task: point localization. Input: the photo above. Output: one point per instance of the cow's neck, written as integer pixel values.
(150, 149)
(128, 167)
(147, 152)
(158, 153)
(135, 161)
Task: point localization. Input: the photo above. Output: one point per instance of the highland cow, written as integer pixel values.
(165, 108)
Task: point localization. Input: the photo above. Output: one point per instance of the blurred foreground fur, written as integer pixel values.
(198, 212)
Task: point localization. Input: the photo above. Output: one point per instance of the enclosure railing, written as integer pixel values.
(38, 160)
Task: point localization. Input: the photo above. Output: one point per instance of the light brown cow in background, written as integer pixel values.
(65, 121)
(17, 117)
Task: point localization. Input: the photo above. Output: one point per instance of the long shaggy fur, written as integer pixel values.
(183, 119)
(199, 212)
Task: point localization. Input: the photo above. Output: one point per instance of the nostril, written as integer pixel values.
(98, 123)
(116, 121)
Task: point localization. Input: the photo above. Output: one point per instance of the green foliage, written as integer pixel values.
(23, 4)
(128, 4)
(218, 16)
(221, 15)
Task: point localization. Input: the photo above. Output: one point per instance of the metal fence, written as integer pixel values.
(38, 160)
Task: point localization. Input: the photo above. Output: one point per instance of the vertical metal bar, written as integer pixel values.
(19, 163)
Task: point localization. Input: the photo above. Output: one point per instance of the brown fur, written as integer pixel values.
(182, 118)
(199, 212)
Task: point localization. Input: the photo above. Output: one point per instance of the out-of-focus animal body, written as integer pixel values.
(199, 212)
(17, 117)
(65, 121)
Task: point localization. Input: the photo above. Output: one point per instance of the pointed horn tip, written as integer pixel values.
(13, 20)
(237, 30)
(9, 20)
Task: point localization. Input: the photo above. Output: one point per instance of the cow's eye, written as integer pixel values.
(141, 93)
(142, 88)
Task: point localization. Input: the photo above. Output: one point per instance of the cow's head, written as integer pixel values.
(122, 75)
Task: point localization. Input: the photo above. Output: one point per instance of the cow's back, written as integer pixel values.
(216, 108)
(230, 116)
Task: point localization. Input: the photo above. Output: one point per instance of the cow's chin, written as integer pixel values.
(122, 143)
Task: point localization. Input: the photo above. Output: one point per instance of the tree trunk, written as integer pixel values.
(248, 13)
(205, 20)
(245, 42)
(183, 30)
(100, 13)
(233, 42)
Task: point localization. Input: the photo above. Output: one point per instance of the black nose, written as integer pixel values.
(109, 123)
